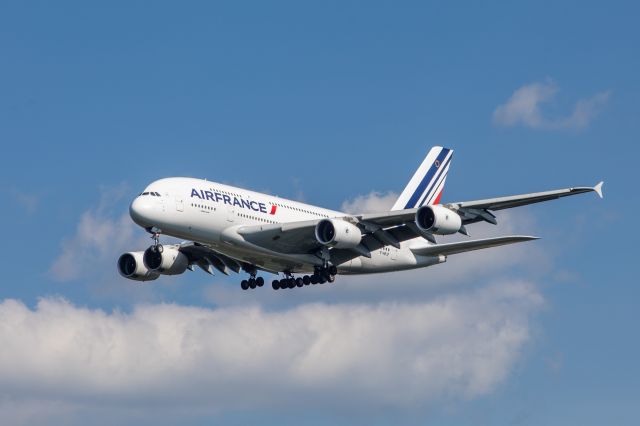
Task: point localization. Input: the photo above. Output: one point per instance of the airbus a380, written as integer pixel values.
(233, 229)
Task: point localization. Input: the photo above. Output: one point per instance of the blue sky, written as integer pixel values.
(326, 103)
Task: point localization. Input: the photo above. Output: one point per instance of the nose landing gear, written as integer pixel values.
(155, 236)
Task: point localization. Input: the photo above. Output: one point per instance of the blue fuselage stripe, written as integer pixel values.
(413, 201)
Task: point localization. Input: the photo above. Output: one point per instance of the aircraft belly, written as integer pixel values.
(381, 263)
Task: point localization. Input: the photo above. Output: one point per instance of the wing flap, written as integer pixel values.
(463, 246)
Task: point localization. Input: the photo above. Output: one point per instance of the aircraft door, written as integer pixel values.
(179, 204)
(230, 214)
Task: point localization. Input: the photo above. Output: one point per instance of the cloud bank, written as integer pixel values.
(524, 107)
(459, 345)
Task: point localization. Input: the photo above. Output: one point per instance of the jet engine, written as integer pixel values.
(338, 233)
(131, 265)
(438, 220)
(165, 260)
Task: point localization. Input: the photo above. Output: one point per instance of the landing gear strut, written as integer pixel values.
(155, 236)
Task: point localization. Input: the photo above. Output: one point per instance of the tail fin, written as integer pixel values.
(426, 185)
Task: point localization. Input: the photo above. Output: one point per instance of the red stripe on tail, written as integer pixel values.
(437, 200)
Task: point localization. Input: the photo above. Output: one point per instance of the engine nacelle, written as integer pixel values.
(165, 260)
(131, 265)
(438, 220)
(338, 233)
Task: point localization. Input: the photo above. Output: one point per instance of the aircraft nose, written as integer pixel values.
(140, 210)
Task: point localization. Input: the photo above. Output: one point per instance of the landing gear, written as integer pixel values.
(252, 282)
(320, 276)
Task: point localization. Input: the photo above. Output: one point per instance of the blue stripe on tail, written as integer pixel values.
(413, 201)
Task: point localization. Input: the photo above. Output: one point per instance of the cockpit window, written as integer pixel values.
(157, 194)
(145, 193)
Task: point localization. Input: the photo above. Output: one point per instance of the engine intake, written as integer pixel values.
(438, 220)
(338, 233)
(165, 260)
(131, 266)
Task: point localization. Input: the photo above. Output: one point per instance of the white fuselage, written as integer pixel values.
(210, 213)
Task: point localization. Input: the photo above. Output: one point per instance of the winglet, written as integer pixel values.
(598, 189)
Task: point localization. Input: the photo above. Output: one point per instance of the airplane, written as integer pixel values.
(229, 229)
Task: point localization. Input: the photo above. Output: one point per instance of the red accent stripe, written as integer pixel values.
(437, 200)
(273, 209)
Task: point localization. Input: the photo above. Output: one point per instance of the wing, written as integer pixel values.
(389, 228)
(461, 247)
(474, 211)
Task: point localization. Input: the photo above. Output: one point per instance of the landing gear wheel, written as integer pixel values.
(259, 281)
(299, 282)
(252, 283)
(314, 279)
(275, 284)
(292, 283)
(306, 280)
(333, 270)
(331, 278)
(244, 284)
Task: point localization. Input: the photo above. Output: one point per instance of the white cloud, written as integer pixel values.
(524, 107)
(99, 239)
(374, 202)
(396, 354)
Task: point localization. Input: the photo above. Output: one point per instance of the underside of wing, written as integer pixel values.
(463, 246)
(209, 260)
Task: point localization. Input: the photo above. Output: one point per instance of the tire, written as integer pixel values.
(252, 283)
(314, 279)
(259, 281)
(306, 280)
(333, 270)
(299, 282)
(331, 278)
(244, 284)
(275, 284)
(292, 283)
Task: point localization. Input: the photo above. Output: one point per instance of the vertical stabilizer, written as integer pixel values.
(426, 185)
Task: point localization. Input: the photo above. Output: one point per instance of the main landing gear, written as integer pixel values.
(252, 283)
(321, 276)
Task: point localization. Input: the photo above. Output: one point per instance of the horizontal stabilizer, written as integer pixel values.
(461, 247)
